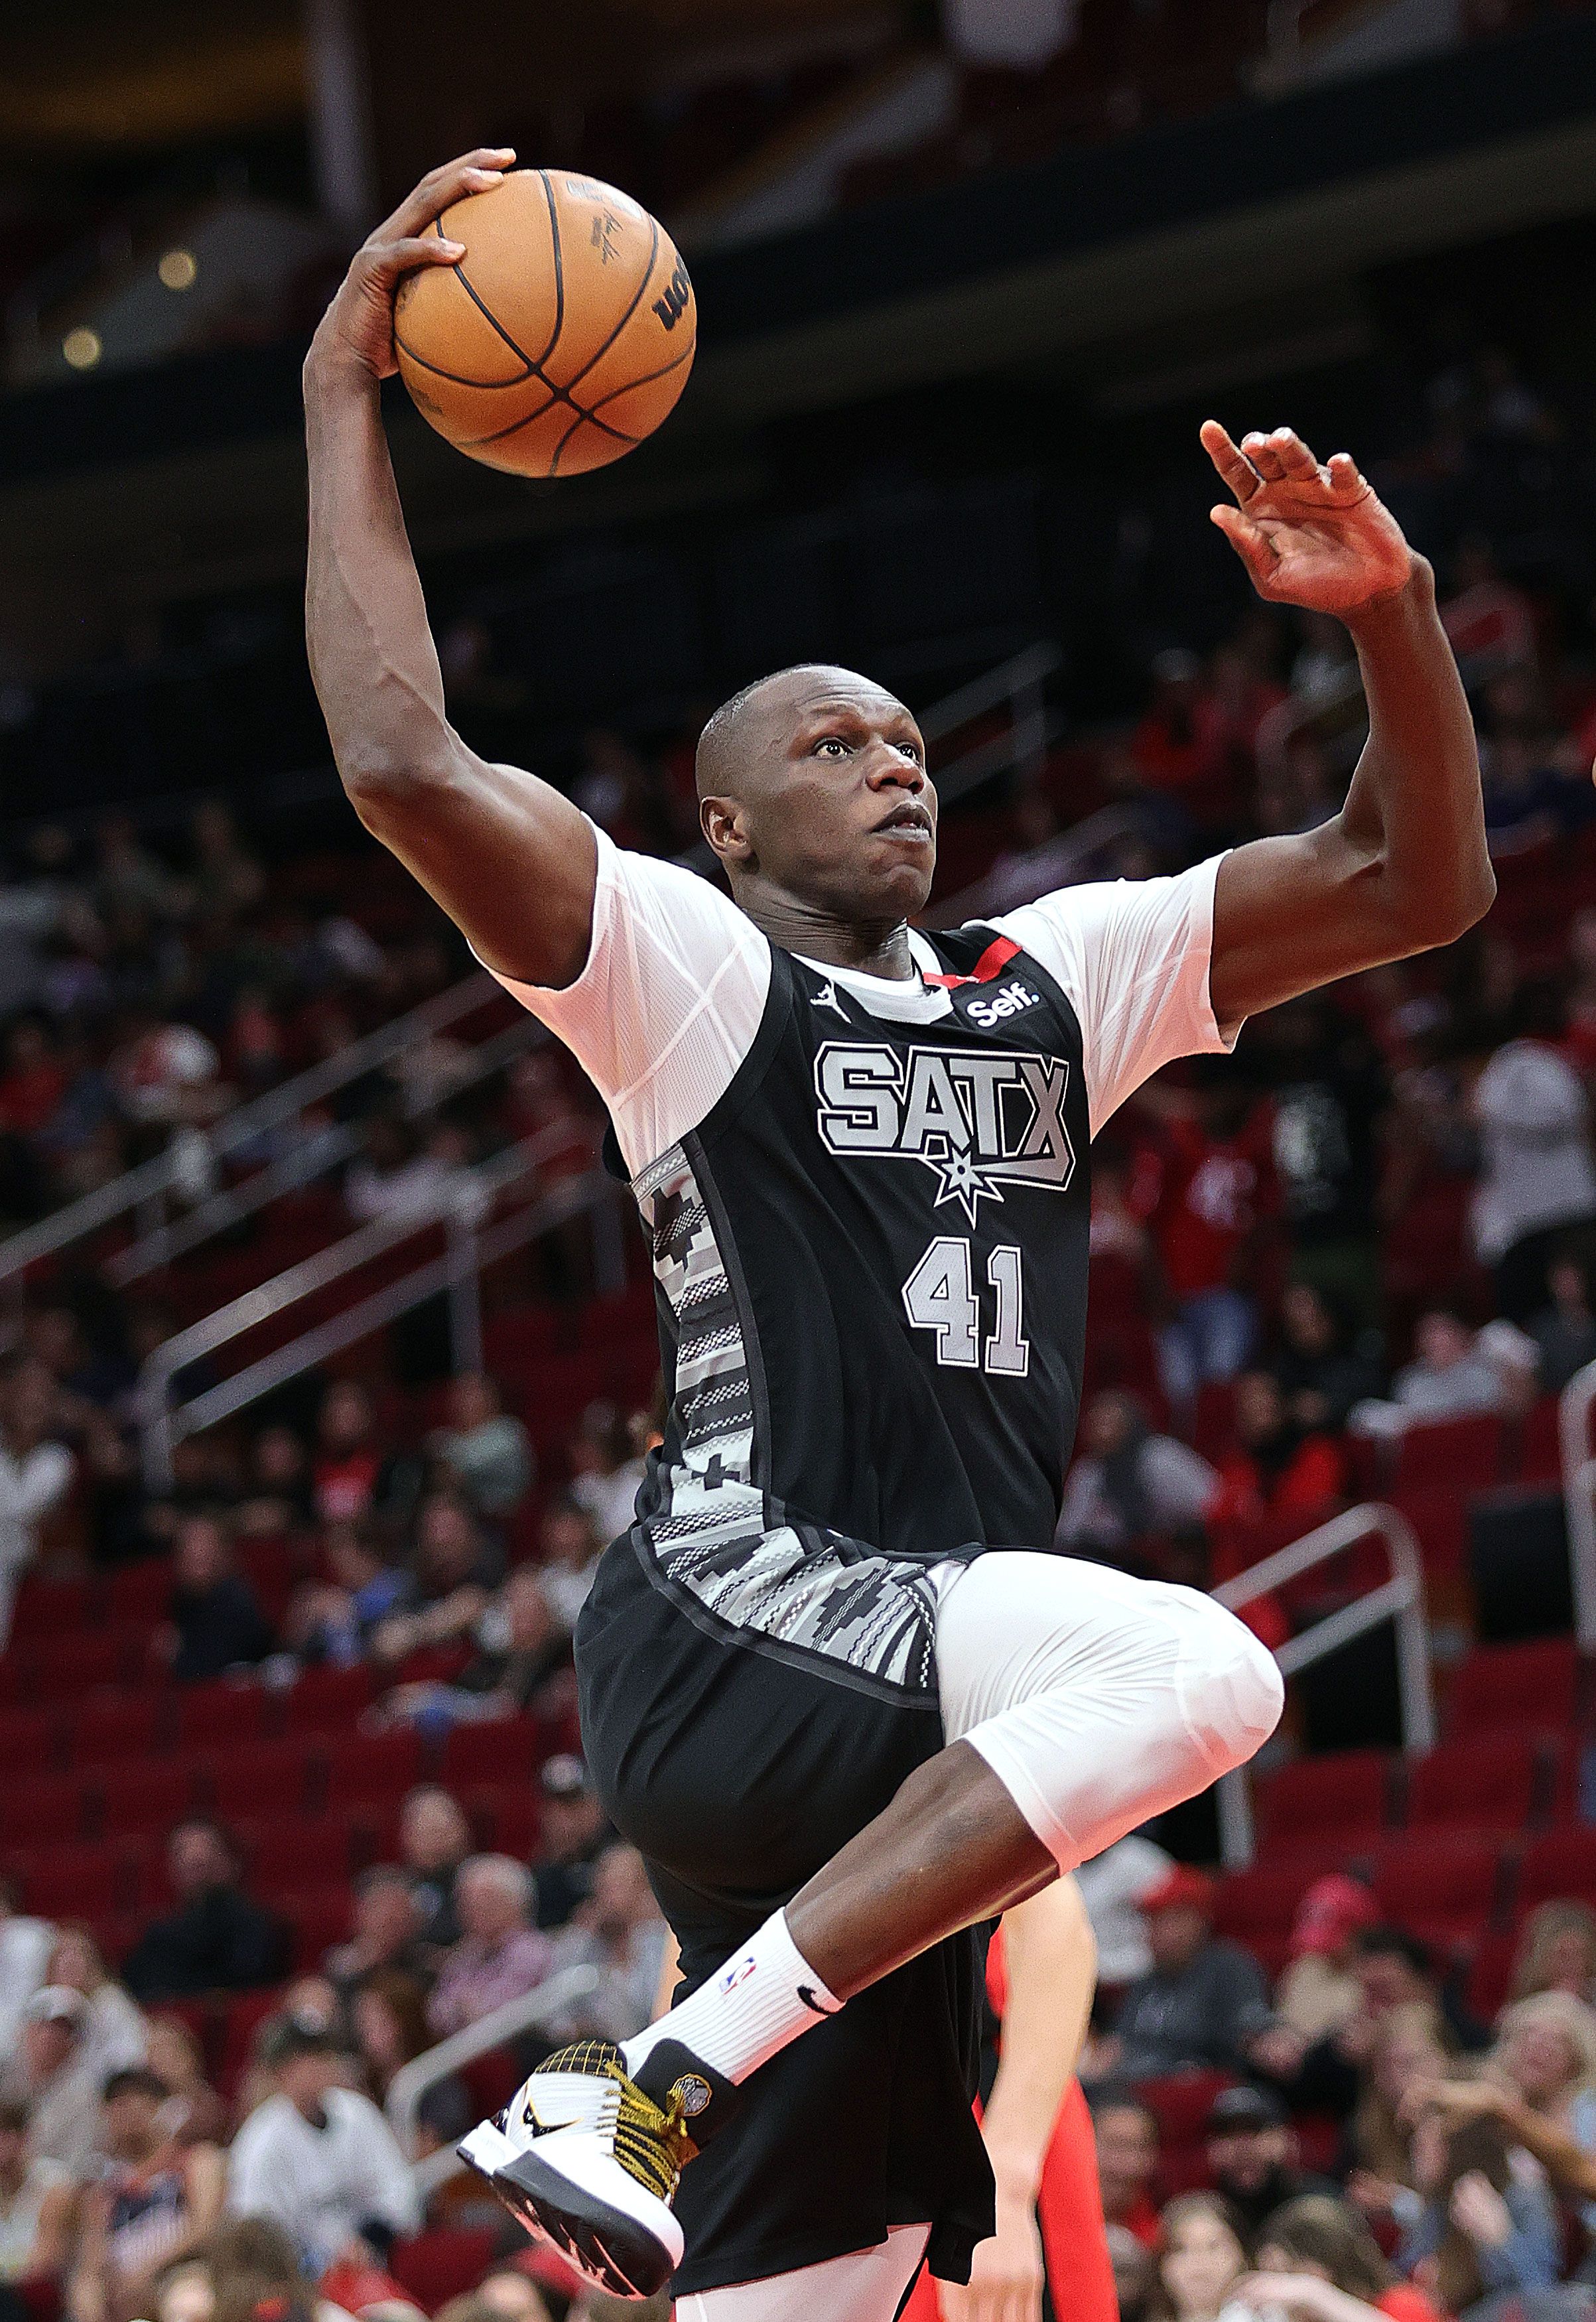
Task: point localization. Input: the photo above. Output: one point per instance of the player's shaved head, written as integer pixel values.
(740, 732)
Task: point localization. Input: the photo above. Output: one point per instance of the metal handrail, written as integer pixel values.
(1400, 1599)
(149, 1180)
(544, 2005)
(161, 1427)
(1574, 1406)
(305, 1159)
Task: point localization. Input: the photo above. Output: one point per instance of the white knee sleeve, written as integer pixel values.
(1097, 1700)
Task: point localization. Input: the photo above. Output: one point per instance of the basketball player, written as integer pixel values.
(831, 1683)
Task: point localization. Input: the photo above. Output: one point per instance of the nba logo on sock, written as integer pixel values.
(738, 1972)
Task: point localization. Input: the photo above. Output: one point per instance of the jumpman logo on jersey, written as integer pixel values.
(826, 997)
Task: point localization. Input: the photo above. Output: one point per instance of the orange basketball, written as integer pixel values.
(561, 338)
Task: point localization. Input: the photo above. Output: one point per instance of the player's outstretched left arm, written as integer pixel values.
(1403, 866)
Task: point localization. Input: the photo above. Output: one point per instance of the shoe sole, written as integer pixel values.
(615, 2252)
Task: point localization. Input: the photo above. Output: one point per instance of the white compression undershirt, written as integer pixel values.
(670, 1000)
(866, 2286)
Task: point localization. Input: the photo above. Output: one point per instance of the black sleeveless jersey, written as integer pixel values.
(870, 1263)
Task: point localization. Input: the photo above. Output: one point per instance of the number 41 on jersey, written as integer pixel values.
(940, 1296)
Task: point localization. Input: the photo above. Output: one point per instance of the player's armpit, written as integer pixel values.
(512, 862)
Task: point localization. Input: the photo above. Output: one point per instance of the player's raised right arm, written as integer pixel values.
(510, 860)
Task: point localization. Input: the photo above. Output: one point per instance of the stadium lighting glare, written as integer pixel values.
(177, 270)
(82, 348)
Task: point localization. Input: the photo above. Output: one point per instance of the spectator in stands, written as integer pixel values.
(435, 1840)
(46, 2075)
(399, 1177)
(277, 1494)
(1179, 744)
(335, 1619)
(217, 1939)
(1111, 1887)
(198, 2115)
(38, 2205)
(1544, 2052)
(386, 1937)
(1253, 2155)
(1130, 1483)
(1329, 1092)
(1204, 2259)
(1215, 1184)
(500, 1954)
(227, 876)
(620, 1933)
(604, 1470)
(520, 1646)
(487, 1452)
(35, 1472)
(215, 1622)
(1319, 1991)
(569, 1549)
(114, 2034)
(153, 2203)
(387, 2015)
(1134, 2273)
(1564, 1329)
(319, 2160)
(1403, 2052)
(25, 1956)
(1275, 1466)
(347, 1464)
(1484, 2225)
(1319, 1367)
(1126, 2137)
(1538, 1178)
(574, 1835)
(1318, 2260)
(1202, 2000)
(452, 1568)
(1450, 1374)
(1556, 1953)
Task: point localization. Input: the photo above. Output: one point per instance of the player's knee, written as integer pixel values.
(1234, 1692)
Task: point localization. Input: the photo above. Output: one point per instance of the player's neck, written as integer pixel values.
(874, 948)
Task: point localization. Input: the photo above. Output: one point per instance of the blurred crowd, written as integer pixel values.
(1355, 2140)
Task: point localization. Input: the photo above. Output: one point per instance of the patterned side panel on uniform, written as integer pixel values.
(712, 1533)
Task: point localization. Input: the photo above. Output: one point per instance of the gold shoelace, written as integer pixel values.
(651, 2144)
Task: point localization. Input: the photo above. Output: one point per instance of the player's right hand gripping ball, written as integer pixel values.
(563, 337)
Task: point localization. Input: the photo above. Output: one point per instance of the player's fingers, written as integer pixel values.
(1239, 473)
(1344, 473)
(1253, 546)
(1264, 454)
(1296, 460)
(473, 173)
(389, 260)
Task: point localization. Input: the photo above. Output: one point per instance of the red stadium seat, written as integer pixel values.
(502, 1751)
(222, 1715)
(51, 1608)
(1460, 1455)
(42, 1810)
(1181, 2101)
(445, 2263)
(372, 1768)
(146, 1794)
(262, 1781)
(1342, 1796)
(1258, 1906)
(64, 1667)
(1443, 1886)
(141, 1593)
(1495, 1784)
(244, 2013)
(30, 1740)
(289, 1856)
(1559, 1862)
(1490, 1974)
(509, 1819)
(71, 1882)
(317, 1920)
(328, 1700)
(1522, 1689)
(113, 1727)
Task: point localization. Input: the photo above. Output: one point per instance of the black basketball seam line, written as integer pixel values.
(603, 425)
(483, 386)
(564, 440)
(559, 267)
(647, 380)
(653, 252)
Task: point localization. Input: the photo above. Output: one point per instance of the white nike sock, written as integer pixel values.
(764, 1995)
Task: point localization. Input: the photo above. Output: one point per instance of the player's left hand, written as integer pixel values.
(1310, 536)
(1006, 2273)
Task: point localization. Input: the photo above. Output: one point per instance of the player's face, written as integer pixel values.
(840, 811)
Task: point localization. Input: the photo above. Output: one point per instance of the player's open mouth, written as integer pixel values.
(905, 822)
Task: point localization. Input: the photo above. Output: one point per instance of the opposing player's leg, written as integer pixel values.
(1076, 1702)
(869, 2285)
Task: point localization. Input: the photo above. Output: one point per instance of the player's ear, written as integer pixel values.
(722, 823)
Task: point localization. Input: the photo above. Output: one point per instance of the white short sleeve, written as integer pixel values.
(1132, 957)
(668, 1000)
